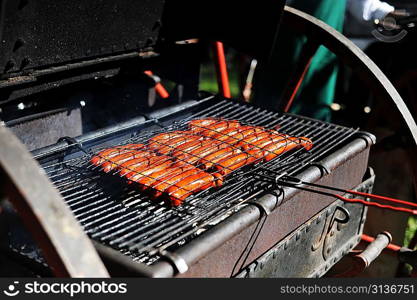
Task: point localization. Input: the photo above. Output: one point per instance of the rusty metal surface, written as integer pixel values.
(228, 240)
(317, 245)
(67, 249)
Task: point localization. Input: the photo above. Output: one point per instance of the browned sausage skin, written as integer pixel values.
(190, 185)
(179, 164)
(105, 154)
(219, 127)
(165, 146)
(234, 162)
(213, 158)
(206, 148)
(116, 161)
(147, 181)
(159, 187)
(154, 164)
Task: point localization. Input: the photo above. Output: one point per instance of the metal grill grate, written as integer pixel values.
(118, 215)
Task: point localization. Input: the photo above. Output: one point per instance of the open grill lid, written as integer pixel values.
(39, 34)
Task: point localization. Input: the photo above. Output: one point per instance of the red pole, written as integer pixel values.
(159, 88)
(221, 70)
(297, 87)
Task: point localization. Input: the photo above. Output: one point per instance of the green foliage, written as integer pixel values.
(410, 231)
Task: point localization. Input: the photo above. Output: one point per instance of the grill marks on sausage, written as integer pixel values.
(177, 164)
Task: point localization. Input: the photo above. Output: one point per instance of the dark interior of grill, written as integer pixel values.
(118, 215)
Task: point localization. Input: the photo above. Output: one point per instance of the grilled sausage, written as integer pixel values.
(128, 166)
(231, 163)
(170, 145)
(147, 181)
(273, 150)
(225, 134)
(162, 138)
(215, 128)
(211, 159)
(167, 136)
(207, 147)
(105, 154)
(257, 149)
(186, 149)
(155, 164)
(188, 146)
(160, 186)
(252, 138)
(201, 124)
(190, 185)
(243, 132)
(211, 148)
(117, 160)
(305, 142)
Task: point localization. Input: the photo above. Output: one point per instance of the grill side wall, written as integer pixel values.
(347, 171)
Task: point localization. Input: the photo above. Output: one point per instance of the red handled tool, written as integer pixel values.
(295, 182)
(159, 88)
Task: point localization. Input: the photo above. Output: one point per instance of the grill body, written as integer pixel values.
(313, 248)
(215, 225)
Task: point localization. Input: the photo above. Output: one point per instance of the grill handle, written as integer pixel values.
(362, 260)
(374, 249)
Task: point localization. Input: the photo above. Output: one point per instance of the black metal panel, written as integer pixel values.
(250, 27)
(37, 33)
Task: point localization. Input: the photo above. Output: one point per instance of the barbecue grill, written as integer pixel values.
(255, 224)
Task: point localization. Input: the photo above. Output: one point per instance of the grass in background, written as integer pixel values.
(208, 79)
(410, 231)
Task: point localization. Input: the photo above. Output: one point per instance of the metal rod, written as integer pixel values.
(221, 69)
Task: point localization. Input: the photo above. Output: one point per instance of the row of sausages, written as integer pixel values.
(178, 164)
